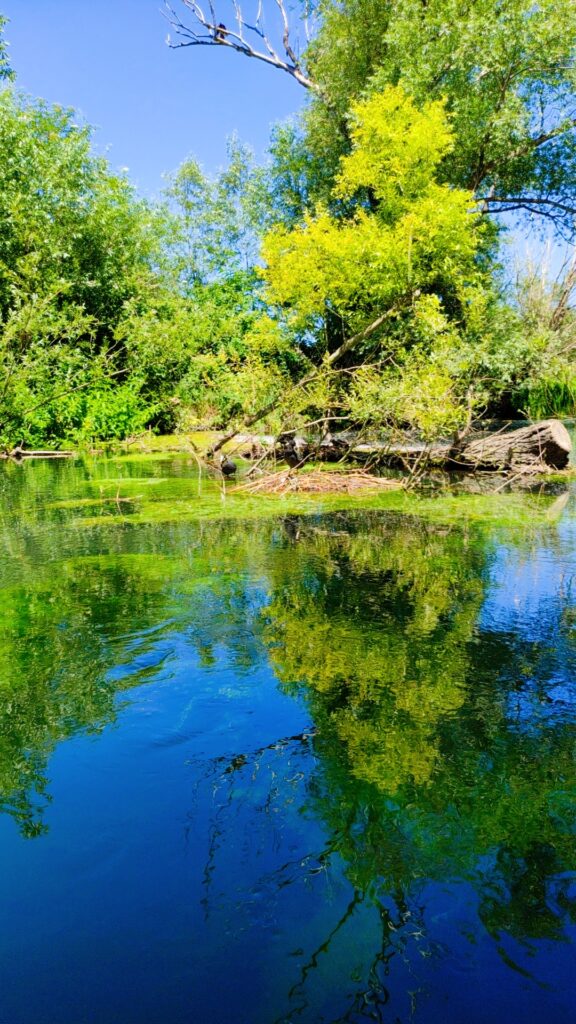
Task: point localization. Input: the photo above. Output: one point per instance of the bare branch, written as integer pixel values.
(561, 215)
(505, 201)
(567, 284)
(207, 30)
(286, 32)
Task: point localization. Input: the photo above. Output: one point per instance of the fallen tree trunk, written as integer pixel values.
(535, 448)
(21, 453)
(545, 444)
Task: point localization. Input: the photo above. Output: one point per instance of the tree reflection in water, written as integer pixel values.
(440, 745)
(420, 774)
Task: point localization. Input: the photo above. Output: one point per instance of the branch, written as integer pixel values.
(351, 343)
(345, 347)
(528, 146)
(544, 137)
(552, 209)
(530, 200)
(206, 30)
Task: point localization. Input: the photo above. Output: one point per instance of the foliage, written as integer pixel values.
(506, 71)
(204, 344)
(414, 261)
(6, 71)
(68, 221)
(488, 113)
(76, 244)
(525, 364)
(296, 176)
(218, 220)
(117, 315)
(209, 355)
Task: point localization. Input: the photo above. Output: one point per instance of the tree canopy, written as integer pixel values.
(507, 73)
(364, 252)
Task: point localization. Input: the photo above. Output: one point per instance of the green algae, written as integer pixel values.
(187, 501)
(155, 489)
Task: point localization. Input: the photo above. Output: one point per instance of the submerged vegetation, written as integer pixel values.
(429, 741)
(352, 597)
(355, 280)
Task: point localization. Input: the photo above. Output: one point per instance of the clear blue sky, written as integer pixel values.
(151, 105)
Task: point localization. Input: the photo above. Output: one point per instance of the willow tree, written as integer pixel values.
(507, 72)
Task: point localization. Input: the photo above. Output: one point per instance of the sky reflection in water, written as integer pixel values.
(303, 768)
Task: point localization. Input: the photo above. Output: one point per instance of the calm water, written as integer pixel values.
(313, 766)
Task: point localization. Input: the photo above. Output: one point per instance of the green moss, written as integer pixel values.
(158, 488)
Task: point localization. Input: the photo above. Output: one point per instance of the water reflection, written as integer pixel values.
(410, 838)
(424, 772)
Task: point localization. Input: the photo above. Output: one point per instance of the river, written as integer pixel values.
(284, 762)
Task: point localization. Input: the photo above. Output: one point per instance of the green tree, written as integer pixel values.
(206, 343)
(6, 71)
(524, 364)
(76, 244)
(507, 73)
(218, 220)
(402, 272)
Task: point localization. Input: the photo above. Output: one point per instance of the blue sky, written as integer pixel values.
(152, 106)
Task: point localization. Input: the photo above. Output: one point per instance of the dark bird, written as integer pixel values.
(227, 467)
(221, 32)
(294, 452)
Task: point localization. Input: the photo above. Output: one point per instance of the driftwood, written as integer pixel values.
(19, 453)
(534, 448)
(287, 481)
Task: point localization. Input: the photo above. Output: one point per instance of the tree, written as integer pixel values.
(6, 71)
(249, 37)
(217, 221)
(507, 72)
(401, 270)
(76, 245)
(204, 342)
(525, 362)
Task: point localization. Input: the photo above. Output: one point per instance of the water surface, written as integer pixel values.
(269, 763)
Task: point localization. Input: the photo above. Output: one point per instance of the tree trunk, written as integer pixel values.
(537, 447)
(545, 444)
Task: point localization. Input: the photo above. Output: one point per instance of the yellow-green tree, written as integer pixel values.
(396, 258)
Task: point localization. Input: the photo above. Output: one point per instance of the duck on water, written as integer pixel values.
(227, 466)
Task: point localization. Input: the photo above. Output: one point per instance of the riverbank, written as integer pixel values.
(290, 466)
